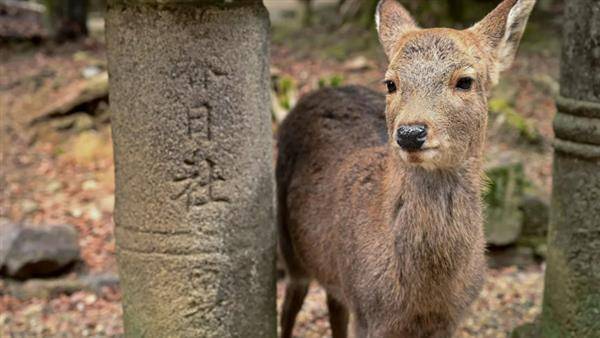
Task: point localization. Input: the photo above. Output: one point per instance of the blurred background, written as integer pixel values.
(57, 250)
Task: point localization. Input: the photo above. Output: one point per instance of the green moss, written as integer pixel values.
(286, 91)
(331, 81)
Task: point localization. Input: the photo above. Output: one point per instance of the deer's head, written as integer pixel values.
(438, 80)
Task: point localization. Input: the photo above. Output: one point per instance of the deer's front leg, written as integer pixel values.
(359, 328)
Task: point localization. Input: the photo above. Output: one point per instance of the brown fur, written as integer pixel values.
(394, 237)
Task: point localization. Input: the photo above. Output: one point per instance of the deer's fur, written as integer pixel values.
(394, 237)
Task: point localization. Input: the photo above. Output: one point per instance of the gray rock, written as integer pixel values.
(518, 256)
(85, 92)
(42, 252)
(8, 232)
(502, 199)
(536, 215)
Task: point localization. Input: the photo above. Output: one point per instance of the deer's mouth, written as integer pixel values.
(422, 150)
(423, 156)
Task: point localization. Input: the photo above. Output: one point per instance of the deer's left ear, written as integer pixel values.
(501, 31)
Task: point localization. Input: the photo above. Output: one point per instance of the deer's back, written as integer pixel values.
(319, 134)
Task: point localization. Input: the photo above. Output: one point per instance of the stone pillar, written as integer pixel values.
(572, 287)
(193, 155)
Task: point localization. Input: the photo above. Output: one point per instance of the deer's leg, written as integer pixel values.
(338, 317)
(359, 327)
(292, 303)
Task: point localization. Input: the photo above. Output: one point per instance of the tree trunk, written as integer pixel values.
(193, 147)
(307, 12)
(572, 286)
(67, 19)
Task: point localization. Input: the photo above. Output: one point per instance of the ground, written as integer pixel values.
(54, 174)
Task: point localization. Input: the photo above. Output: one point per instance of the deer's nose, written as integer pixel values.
(411, 137)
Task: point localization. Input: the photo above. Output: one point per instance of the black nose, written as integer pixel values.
(412, 137)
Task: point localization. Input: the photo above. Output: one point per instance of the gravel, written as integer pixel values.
(510, 297)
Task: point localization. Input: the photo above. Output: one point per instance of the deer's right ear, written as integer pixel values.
(392, 21)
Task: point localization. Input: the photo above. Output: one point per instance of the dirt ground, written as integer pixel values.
(50, 175)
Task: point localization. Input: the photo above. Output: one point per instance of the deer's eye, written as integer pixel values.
(464, 83)
(391, 86)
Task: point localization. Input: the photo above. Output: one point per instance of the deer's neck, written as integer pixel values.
(435, 215)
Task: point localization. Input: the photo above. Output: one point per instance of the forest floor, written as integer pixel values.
(51, 174)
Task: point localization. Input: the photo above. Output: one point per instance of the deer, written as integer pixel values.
(379, 196)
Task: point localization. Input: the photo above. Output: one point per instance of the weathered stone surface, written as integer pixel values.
(572, 293)
(40, 252)
(193, 155)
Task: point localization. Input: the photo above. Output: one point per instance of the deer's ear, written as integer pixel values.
(392, 21)
(501, 31)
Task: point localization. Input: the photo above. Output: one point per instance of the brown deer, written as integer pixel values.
(380, 202)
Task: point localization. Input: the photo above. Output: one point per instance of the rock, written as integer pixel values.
(78, 95)
(39, 252)
(511, 256)
(503, 219)
(536, 216)
(534, 228)
(8, 232)
(536, 243)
